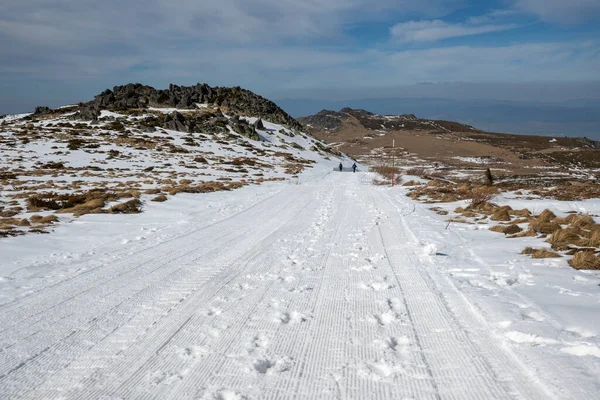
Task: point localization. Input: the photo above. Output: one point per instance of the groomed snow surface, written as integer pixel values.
(331, 288)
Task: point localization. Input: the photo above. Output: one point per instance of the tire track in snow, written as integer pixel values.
(75, 341)
(190, 305)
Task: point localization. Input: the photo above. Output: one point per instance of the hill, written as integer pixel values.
(458, 147)
(135, 144)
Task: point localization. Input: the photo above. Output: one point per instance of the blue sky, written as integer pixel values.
(64, 51)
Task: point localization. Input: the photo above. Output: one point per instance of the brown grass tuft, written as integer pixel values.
(583, 221)
(594, 239)
(562, 238)
(585, 260)
(546, 216)
(411, 183)
(129, 207)
(48, 219)
(160, 198)
(520, 213)
(506, 229)
(526, 233)
(501, 214)
(542, 226)
(545, 253)
(540, 253)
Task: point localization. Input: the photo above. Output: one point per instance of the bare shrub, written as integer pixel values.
(386, 173)
(480, 196)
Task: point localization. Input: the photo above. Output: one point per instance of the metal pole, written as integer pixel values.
(393, 160)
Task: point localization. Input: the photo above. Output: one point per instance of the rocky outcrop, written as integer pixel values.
(87, 113)
(42, 110)
(242, 127)
(324, 119)
(235, 100)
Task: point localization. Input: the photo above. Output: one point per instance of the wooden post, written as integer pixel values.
(393, 160)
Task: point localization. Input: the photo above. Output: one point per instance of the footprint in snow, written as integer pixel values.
(293, 317)
(268, 366)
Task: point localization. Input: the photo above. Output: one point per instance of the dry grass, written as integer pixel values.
(205, 187)
(529, 232)
(545, 253)
(594, 237)
(583, 221)
(544, 227)
(129, 207)
(501, 214)
(585, 260)
(562, 238)
(411, 183)
(506, 229)
(546, 216)
(386, 173)
(540, 253)
(524, 213)
(14, 222)
(160, 198)
(48, 219)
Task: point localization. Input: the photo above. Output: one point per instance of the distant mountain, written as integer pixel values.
(365, 135)
(573, 118)
(327, 120)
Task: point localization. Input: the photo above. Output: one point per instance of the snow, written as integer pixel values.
(329, 288)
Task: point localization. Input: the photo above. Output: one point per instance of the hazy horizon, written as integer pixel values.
(56, 53)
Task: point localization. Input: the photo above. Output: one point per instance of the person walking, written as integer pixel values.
(354, 167)
(341, 167)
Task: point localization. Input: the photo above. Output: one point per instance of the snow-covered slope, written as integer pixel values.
(54, 164)
(331, 288)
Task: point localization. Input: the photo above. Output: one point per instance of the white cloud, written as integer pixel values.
(561, 11)
(429, 31)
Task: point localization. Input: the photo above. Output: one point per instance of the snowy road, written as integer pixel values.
(326, 289)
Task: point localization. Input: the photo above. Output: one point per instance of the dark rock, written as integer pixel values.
(87, 113)
(147, 128)
(176, 122)
(259, 125)
(42, 110)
